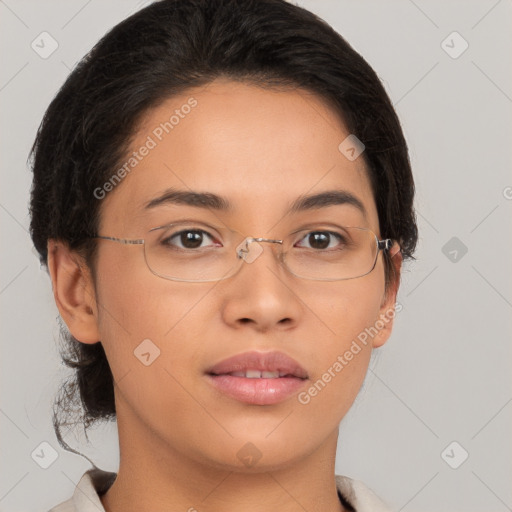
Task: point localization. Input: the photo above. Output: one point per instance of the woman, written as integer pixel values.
(223, 198)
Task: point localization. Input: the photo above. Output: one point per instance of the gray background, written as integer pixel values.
(445, 374)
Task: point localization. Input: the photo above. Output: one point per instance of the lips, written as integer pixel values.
(258, 378)
(260, 365)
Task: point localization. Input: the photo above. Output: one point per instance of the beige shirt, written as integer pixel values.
(96, 482)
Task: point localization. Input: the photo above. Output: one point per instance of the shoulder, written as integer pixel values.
(86, 496)
(359, 496)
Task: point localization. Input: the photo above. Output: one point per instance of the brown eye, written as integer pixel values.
(187, 239)
(322, 240)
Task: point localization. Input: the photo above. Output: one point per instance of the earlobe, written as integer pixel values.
(388, 310)
(73, 290)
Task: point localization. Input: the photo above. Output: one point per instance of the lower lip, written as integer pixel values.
(257, 391)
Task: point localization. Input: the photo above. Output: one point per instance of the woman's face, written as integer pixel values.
(260, 150)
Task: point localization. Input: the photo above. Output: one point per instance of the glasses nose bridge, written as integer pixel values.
(268, 240)
(249, 253)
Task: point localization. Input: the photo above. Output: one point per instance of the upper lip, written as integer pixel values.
(262, 361)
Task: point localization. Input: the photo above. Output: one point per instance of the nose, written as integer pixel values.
(261, 294)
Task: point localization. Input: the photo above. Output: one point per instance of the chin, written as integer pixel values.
(256, 453)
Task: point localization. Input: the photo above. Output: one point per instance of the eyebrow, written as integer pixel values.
(212, 201)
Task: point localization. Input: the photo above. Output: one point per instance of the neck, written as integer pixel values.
(153, 475)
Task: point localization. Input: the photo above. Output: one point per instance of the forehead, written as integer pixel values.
(259, 148)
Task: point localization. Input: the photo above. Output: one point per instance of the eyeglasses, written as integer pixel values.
(186, 251)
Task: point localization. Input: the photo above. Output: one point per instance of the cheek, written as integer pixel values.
(342, 310)
(340, 326)
(134, 305)
(151, 331)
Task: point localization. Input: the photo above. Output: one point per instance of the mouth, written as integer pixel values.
(257, 374)
(258, 378)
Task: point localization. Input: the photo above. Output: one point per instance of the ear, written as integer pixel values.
(388, 310)
(73, 290)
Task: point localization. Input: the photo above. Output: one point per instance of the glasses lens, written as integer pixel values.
(198, 253)
(190, 252)
(340, 253)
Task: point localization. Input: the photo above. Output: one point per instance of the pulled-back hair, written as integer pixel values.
(161, 51)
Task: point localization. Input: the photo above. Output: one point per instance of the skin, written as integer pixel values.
(179, 437)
